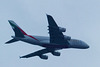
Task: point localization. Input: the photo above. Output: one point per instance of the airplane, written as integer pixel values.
(56, 40)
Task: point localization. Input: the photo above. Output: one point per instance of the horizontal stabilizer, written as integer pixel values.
(11, 41)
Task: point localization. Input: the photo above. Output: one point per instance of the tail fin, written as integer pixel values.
(18, 31)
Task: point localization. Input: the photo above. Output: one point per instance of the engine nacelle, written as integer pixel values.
(62, 29)
(67, 37)
(45, 57)
(56, 53)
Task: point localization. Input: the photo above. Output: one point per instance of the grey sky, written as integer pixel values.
(81, 18)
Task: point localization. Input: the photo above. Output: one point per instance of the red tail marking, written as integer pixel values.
(22, 31)
(32, 37)
(27, 35)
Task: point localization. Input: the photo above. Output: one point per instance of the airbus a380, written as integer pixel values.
(56, 40)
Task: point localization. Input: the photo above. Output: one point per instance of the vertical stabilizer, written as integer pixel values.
(18, 31)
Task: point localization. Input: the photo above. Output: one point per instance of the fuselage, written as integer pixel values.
(45, 42)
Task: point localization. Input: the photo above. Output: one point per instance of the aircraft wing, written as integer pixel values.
(37, 53)
(56, 36)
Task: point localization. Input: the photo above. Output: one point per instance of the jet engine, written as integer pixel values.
(62, 29)
(56, 53)
(45, 57)
(67, 37)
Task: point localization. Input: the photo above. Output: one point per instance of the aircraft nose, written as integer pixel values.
(86, 45)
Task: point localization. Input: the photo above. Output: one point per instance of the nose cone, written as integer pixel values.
(86, 46)
(74, 43)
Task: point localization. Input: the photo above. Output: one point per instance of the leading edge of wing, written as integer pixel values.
(51, 21)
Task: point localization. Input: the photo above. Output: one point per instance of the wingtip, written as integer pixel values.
(47, 14)
(20, 57)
